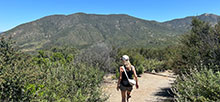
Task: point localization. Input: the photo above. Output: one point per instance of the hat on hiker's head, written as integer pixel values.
(125, 58)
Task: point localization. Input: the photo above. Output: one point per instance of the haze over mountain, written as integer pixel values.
(80, 30)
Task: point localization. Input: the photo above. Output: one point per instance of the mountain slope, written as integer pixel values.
(183, 24)
(82, 29)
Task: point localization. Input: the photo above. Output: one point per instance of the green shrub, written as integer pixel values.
(117, 74)
(17, 73)
(77, 83)
(49, 76)
(66, 81)
(199, 46)
(153, 64)
(137, 60)
(140, 69)
(198, 86)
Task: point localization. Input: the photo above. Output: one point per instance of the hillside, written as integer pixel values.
(183, 24)
(81, 30)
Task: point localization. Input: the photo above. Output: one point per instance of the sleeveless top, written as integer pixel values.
(124, 80)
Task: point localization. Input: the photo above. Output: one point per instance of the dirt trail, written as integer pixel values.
(152, 88)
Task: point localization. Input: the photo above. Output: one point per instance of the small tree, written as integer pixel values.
(16, 74)
(200, 46)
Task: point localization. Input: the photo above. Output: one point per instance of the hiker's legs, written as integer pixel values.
(123, 96)
(128, 95)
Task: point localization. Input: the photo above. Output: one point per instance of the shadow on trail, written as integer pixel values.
(166, 93)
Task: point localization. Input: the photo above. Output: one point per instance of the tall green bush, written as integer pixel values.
(17, 74)
(153, 64)
(66, 81)
(199, 46)
(197, 63)
(198, 86)
(50, 76)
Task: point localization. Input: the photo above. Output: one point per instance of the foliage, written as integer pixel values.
(154, 53)
(198, 86)
(200, 46)
(99, 55)
(146, 59)
(153, 64)
(197, 63)
(67, 81)
(49, 76)
(17, 74)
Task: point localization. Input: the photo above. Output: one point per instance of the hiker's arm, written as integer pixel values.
(135, 76)
(119, 79)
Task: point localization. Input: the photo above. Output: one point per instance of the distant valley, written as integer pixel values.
(82, 30)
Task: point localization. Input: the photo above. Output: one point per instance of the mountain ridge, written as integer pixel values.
(183, 24)
(81, 29)
(115, 14)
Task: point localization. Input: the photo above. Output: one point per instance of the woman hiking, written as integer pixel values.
(123, 83)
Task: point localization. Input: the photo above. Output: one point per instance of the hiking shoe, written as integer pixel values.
(129, 96)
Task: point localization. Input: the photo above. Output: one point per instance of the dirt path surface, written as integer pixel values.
(152, 88)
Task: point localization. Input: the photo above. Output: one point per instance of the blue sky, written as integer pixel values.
(15, 12)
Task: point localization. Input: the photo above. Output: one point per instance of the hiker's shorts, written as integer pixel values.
(124, 88)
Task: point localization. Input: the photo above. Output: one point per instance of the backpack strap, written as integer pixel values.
(125, 71)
